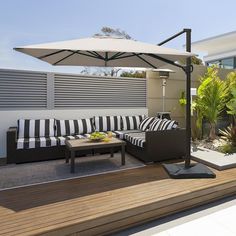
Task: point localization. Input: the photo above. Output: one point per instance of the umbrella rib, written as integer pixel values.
(101, 57)
(95, 54)
(166, 60)
(122, 57)
(84, 54)
(115, 56)
(51, 54)
(139, 56)
(64, 58)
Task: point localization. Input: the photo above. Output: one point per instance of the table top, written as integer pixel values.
(87, 143)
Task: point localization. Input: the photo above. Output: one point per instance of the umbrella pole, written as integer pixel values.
(188, 98)
(186, 170)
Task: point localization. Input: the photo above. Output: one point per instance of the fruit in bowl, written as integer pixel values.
(97, 136)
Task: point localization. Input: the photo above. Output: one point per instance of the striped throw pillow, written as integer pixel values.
(154, 126)
(29, 128)
(163, 124)
(146, 122)
(131, 122)
(107, 123)
(168, 124)
(73, 127)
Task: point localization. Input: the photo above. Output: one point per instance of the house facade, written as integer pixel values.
(220, 50)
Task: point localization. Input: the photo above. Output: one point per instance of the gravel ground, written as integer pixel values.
(212, 145)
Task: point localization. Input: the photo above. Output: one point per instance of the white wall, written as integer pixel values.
(9, 118)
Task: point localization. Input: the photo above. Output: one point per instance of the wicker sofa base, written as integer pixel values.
(160, 146)
(19, 156)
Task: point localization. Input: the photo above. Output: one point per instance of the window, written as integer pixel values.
(217, 63)
(226, 63)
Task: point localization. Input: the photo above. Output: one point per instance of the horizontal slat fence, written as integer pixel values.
(33, 90)
(77, 91)
(22, 89)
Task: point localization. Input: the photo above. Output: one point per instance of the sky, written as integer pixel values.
(25, 22)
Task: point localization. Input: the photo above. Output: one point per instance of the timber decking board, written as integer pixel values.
(105, 203)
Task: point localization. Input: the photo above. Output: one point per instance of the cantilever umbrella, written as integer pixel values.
(104, 51)
(118, 52)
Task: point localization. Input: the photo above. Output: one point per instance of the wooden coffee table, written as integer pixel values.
(75, 145)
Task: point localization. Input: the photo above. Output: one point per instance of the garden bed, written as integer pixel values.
(215, 145)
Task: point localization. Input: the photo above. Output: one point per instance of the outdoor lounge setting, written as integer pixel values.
(115, 136)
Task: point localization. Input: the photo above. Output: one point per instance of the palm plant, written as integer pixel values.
(211, 99)
(229, 135)
(231, 105)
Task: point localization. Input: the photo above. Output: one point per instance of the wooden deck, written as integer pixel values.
(105, 203)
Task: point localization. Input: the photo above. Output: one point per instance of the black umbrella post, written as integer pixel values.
(187, 170)
(188, 98)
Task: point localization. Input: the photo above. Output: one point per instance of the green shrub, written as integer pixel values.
(229, 135)
(227, 148)
(211, 99)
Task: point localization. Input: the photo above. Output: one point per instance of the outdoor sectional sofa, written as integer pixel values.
(39, 140)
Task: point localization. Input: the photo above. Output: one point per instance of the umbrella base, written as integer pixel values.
(178, 171)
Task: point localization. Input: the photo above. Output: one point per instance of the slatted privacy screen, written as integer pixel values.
(22, 89)
(74, 91)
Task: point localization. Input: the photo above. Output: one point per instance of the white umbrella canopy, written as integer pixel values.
(104, 51)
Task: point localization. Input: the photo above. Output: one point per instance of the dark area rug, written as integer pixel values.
(40, 172)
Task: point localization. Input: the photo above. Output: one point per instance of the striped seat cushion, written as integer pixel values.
(29, 128)
(121, 133)
(28, 143)
(74, 127)
(146, 122)
(163, 124)
(137, 139)
(131, 122)
(107, 123)
(61, 139)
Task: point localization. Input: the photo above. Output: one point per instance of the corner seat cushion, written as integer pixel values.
(121, 133)
(28, 143)
(137, 139)
(74, 127)
(29, 128)
(131, 122)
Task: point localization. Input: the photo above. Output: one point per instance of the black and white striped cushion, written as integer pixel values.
(131, 122)
(62, 139)
(154, 126)
(137, 139)
(163, 124)
(28, 143)
(28, 128)
(107, 123)
(146, 122)
(121, 133)
(72, 127)
(168, 124)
